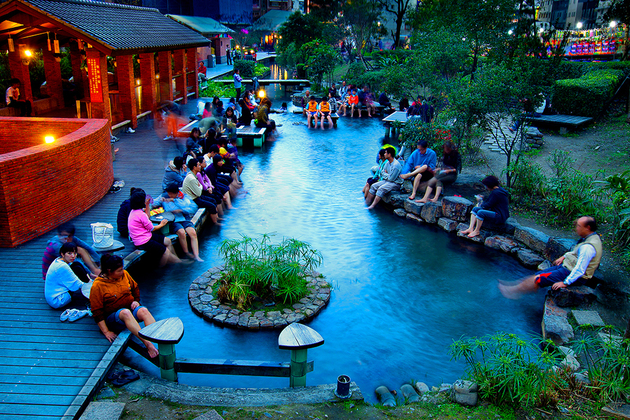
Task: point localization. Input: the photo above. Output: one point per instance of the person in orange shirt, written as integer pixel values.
(324, 110)
(353, 100)
(311, 112)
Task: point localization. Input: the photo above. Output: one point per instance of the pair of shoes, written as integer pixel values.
(119, 184)
(131, 130)
(114, 139)
(72, 315)
(123, 377)
(64, 315)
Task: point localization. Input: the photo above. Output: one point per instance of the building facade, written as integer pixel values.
(574, 14)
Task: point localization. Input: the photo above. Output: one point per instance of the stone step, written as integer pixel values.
(102, 410)
(588, 318)
(210, 415)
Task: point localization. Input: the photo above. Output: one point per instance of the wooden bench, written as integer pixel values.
(299, 338)
(40, 106)
(565, 122)
(165, 333)
(257, 135)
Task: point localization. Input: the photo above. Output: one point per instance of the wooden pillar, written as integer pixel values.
(127, 89)
(80, 82)
(20, 71)
(191, 64)
(147, 80)
(180, 68)
(52, 68)
(298, 368)
(166, 361)
(166, 76)
(100, 109)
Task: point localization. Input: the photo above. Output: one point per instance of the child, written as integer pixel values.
(353, 100)
(311, 111)
(324, 109)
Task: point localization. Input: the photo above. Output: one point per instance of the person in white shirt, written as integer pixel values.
(13, 99)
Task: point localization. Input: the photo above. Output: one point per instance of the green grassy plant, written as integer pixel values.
(218, 89)
(258, 268)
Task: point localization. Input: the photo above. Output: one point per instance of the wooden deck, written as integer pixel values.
(571, 121)
(50, 369)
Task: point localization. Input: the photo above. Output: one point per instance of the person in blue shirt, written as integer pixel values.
(421, 165)
(238, 83)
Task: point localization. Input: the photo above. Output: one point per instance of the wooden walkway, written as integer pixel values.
(51, 369)
(560, 120)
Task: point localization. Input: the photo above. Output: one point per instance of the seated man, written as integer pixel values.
(184, 209)
(305, 100)
(574, 267)
(421, 162)
(201, 71)
(13, 98)
(174, 173)
(390, 179)
(384, 100)
(123, 215)
(86, 255)
(332, 90)
(62, 285)
(311, 111)
(415, 108)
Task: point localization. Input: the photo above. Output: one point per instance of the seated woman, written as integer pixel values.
(263, 116)
(115, 302)
(62, 285)
(494, 209)
(209, 189)
(195, 144)
(246, 113)
(86, 255)
(377, 174)
(207, 110)
(229, 123)
(174, 173)
(447, 174)
(144, 235)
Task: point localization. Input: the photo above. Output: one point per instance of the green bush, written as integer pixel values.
(355, 72)
(260, 70)
(588, 95)
(218, 89)
(434, 134)
(246, 67)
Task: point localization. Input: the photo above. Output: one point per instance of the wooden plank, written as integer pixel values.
(46, 371)
(58, 389)
(48, 332)
(63, 340)
(233, 367)
(10, 355)
(298, 336)
(54, 411)
(48, 362)
(165, 331)
(41, 379)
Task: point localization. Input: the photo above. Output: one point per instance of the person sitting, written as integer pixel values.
(353, 100)
(62, 285)
(195, 144)
(427, 112)
(368, 101)
(174, 172)
(262, 117)
(218, 111)
(231, 104)
(183, 209)
(384, 100)
(147, 237)
(494, 208)
(390, 180)
(575, 267)
(377, 176)
(343, 90)
(246, 114)
(123, 215)
(403, 105)
(207, 110)
(221, 182)
(415, 108)
(193, 189)
(115, 302)
(332, 90)
(311, 111)
(447, 174)
(233, 151)
(248, 102)
(86, 256)
(229, 123)
(421, 162)
(13, 98)
(324, 110)
(305, 101)
(202, 70)
(210, 191)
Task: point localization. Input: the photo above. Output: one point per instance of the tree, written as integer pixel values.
(360, 18)
(399, 9)
(321, 59)
(619, 11)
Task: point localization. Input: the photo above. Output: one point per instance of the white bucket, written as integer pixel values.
(102, 235)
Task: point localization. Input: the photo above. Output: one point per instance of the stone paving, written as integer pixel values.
(206, 305)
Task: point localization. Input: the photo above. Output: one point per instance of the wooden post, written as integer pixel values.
(298, 338)
(167, 361)
(166, 333)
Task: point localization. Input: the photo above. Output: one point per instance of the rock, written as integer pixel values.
(105, 392)
(447, 224)
(573, 296)
(431, 212)
(414, 218)
(410, 394)
(456, 208)
(466, 185)
(581, 378)
(557, 247)
(464, 392)
(555, 323)
(570, 362)
(400, 212)
(501, 243)
(462, 226)
(210, 415)
(412, 207)
(103, 411)
(534, 239)
(566, 350)
(481, 238)
(445, 387)
(544, 265)
(385, 397)
(422, 388)
(395, 199)
(588, 318)
(532, 132)
(529, 258)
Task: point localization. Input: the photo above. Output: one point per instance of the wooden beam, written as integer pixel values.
(235, 367)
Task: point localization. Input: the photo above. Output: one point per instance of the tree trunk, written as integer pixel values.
(399, 22)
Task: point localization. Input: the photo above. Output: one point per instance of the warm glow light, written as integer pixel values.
(137, 81)
(579, 25)
(510, 32)
(28, 53)
(49, 139)
(261, 94)
(613, 24)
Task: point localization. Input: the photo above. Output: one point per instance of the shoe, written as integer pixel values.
(64, 315)
(76, 314)
(131, 130)
(124, 377)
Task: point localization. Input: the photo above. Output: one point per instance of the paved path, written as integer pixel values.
(50, 369)
(222, 69)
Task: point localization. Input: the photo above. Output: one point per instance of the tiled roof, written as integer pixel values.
(122, 27)
(203, 25)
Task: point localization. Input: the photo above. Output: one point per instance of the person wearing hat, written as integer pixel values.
(494, 208)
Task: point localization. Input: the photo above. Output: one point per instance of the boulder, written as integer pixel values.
(385, 397)
(544, 265)
(456, 208)
(570, 362)
(466, 185)
(409, 394)
(555, 323)
(529, 258)
(400, 212)
(502, 243)
(481, 238)
(532, 238)
(462, 226)
(557, 247)
(464, 392)
(395, 199)
(414, 218)
(421, 388)
(412, 207)
(431, 212)
(573, 296)
(447, 224)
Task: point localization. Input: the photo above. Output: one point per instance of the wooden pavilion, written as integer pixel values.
(105, 40)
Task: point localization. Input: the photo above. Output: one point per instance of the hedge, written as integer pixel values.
(576, 69)
(588, 95)
(247, 67)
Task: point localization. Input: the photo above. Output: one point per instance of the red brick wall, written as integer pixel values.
(45, 185)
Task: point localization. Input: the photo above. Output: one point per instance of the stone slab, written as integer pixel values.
(501, 243)
(529, 258)
(557, 247)
(588, 318)
(555, 323)
(412, 207)
(534, 239)
(447, 224)
(431, 212)
(414, 218)
(101, 410)
(456, 208)
(210, 415)
(400, 212)
(574, 296)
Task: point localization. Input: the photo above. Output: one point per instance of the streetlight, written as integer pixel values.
(510, 32)
(613, 24)
(579, 25)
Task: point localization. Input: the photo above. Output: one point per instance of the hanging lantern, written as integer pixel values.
(56, 49)
(11, 45)
(48, 40)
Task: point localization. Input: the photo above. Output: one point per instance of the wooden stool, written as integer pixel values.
(165, 333)
(298, 338)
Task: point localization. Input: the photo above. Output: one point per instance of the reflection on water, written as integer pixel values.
(401, 292)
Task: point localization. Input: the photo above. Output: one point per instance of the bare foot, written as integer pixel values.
(422, 200)
(509, 292)
(198, 259)
(434, 200)
(473, 234)
(152, 350)
(465, 232)
(411, 197)
(189, 255)
(371, 208)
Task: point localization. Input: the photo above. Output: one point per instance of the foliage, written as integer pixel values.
(434, 134)
(246, 67)
(321, 60)
(509, 369)
(399, 9)
(619, 10)
(528, 179)
(617, 187)
(260, 70)
(258, 268)
(588, 95)
(218, 89)
(361, 17)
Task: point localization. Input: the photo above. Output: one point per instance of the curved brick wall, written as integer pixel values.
(43, 185)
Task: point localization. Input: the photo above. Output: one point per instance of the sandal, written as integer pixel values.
(124, 377)
(64, 315)
(76, 315)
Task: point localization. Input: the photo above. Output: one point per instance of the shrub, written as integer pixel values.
(355, 72)
(588, 95)
(434, 134)
(258, 268)
(528, 181)
(246, 67)
(218, 89)
(260, 70)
